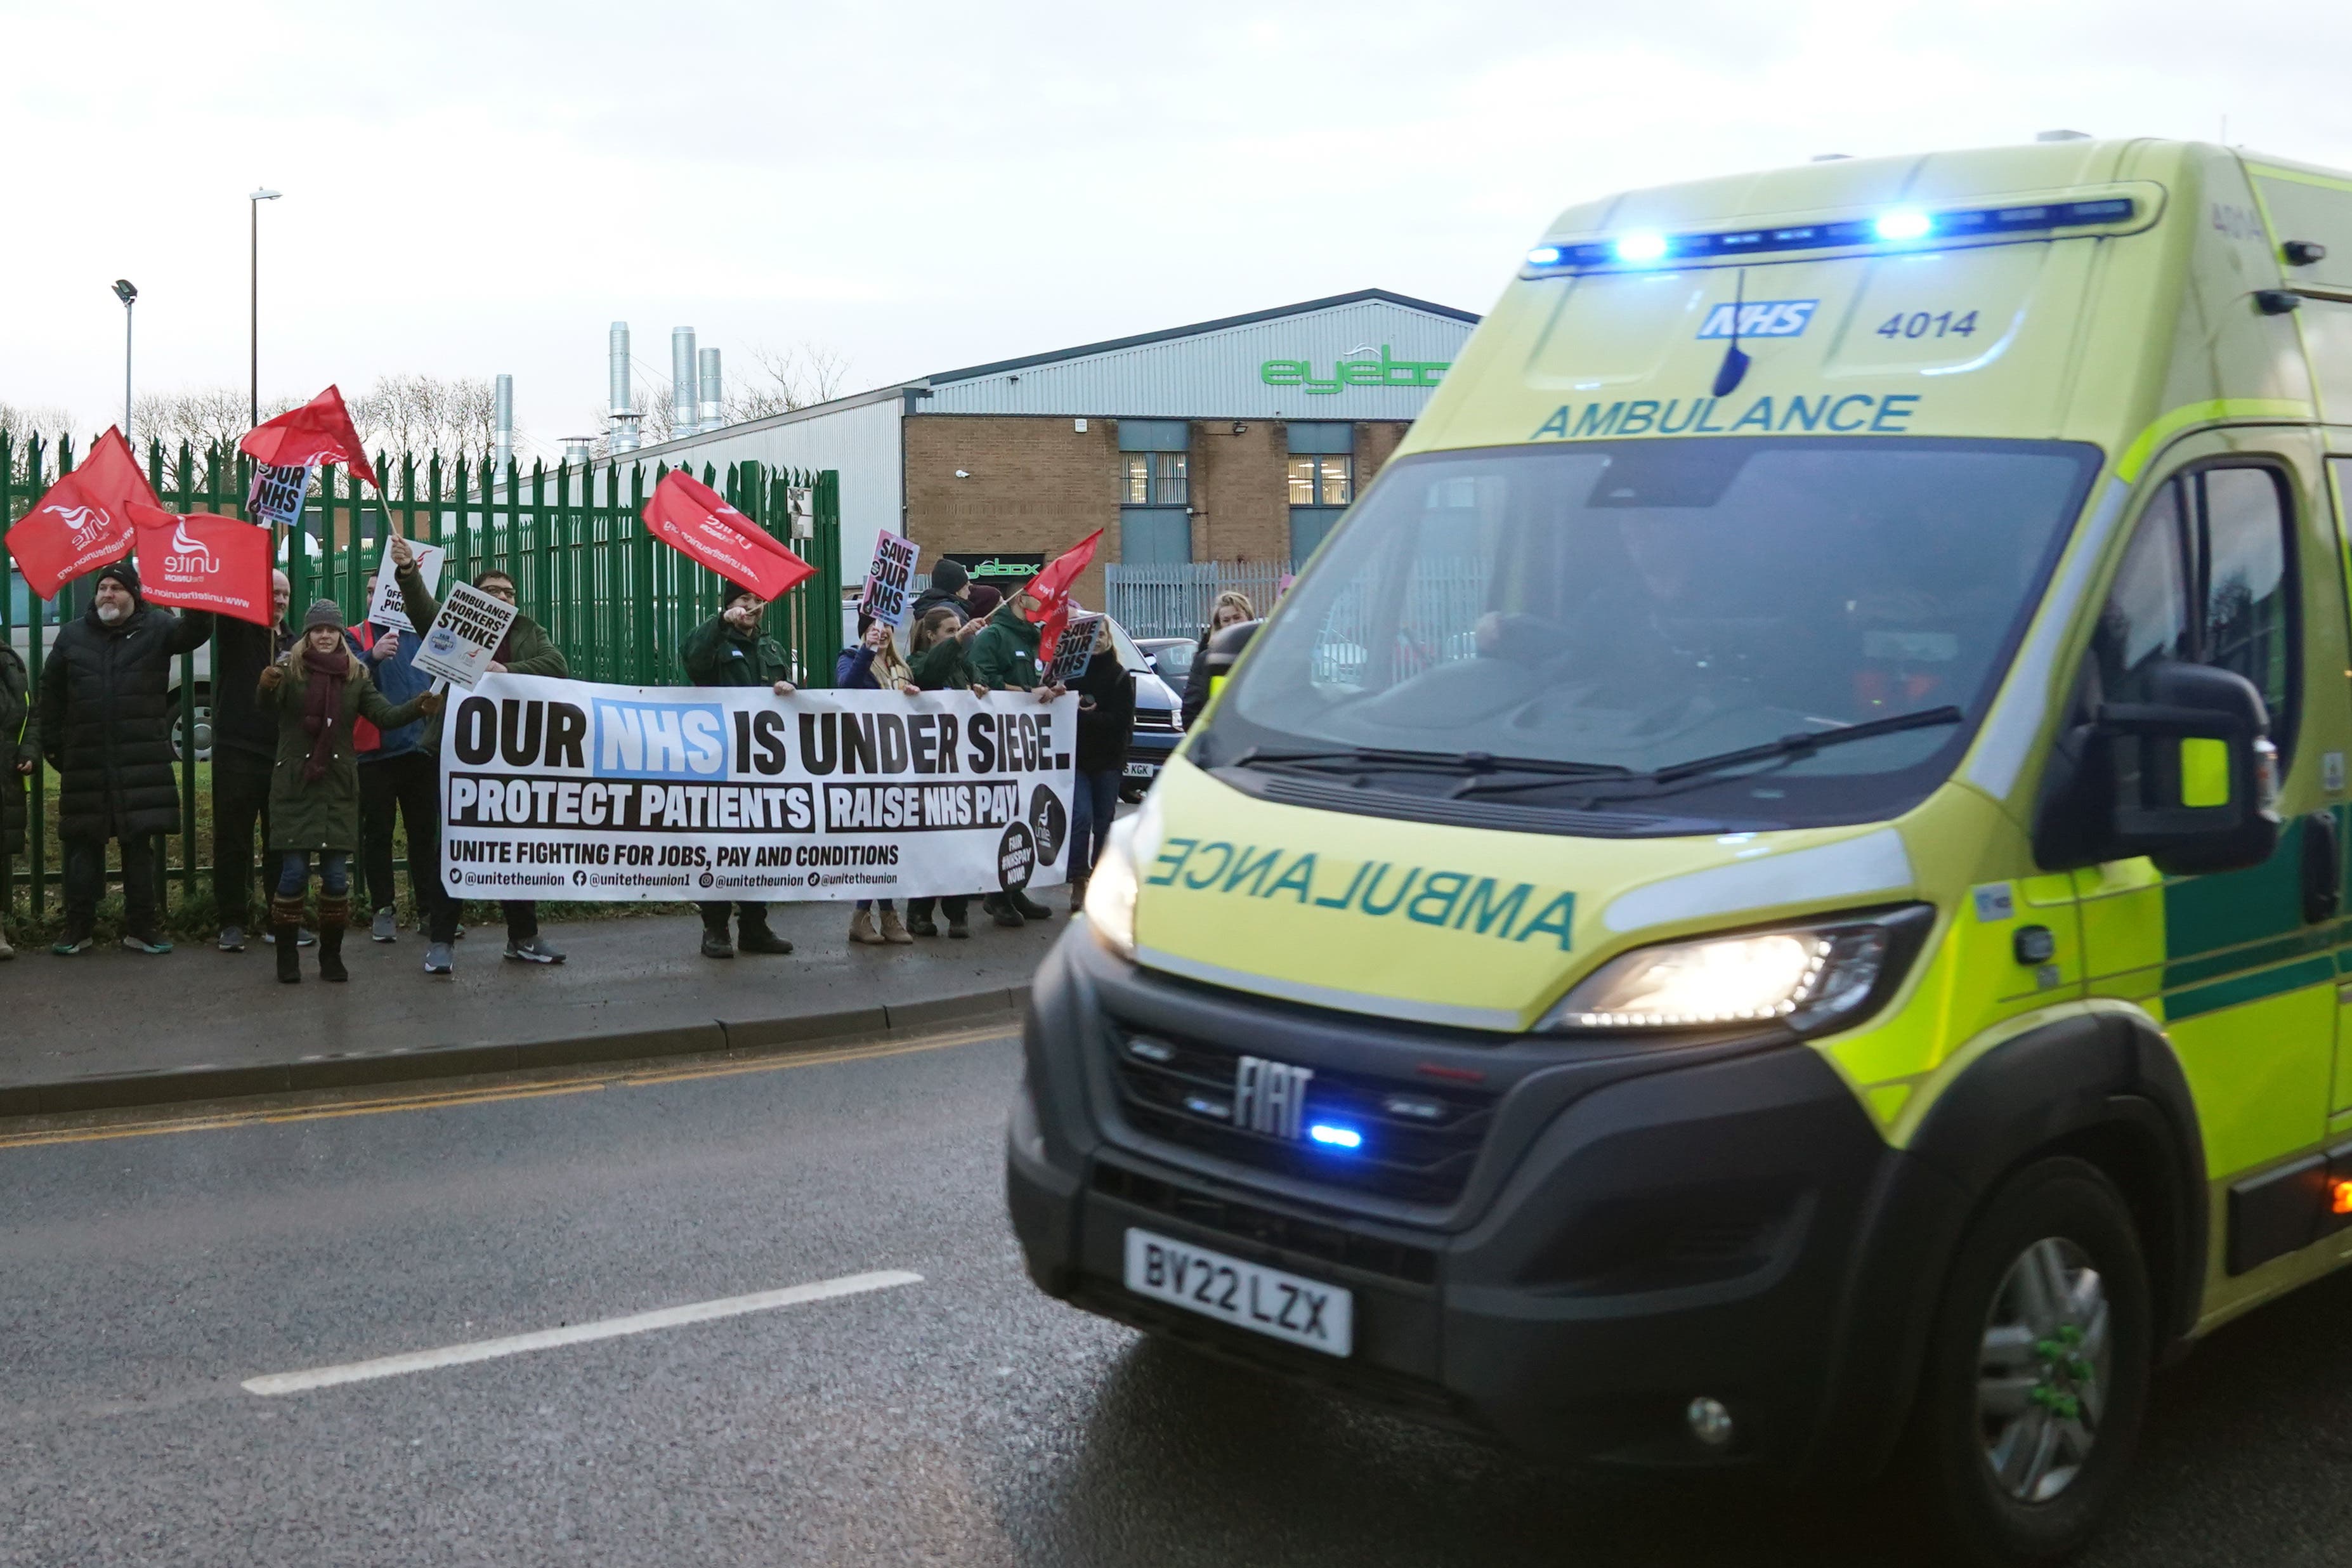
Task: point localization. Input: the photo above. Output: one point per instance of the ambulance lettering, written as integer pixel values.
(1450, 900)
(1855, 413)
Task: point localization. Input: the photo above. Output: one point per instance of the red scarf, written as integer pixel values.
(322, 704)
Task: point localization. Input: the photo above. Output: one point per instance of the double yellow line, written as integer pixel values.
(586, 1081)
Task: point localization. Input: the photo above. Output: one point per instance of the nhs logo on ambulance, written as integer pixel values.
(661, 740)
(1761, 318)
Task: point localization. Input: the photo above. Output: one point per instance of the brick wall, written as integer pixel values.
(1039, 484)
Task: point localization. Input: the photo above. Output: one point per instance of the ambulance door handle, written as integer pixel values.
(2323, 869)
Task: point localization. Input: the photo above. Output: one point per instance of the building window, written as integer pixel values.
(1322, 475)
(1154, 478)
(1323, 481)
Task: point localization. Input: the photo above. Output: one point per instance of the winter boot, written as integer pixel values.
(716, 942)
(894, 933)
(1077, 895)
(861, 928)
(1001, 911)
(285, 920)
(334, 915)
(752, 935)
(1028, 907)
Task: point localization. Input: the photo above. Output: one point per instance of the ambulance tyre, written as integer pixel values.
(2037, 1372)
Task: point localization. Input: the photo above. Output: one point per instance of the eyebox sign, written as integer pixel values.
(560, 789)
(1000, 568)
(1354, 371)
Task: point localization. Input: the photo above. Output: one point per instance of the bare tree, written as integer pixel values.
(202, 416)
(24, 420)
(787, 378)
(423, 414)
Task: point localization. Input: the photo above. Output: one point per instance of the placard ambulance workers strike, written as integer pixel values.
(560, 789)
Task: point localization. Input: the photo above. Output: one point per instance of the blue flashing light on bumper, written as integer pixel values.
(1335, 1136)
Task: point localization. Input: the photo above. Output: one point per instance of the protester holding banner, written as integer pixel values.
(20, 746)
(105, 726)
(941, 661)
(1106, 689)
(730, 650)
(1004, 658)
(874, 665)
(397, 780)
(525, 650)
(244, 747)
(318, 691)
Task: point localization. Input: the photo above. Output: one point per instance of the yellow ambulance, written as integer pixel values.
(1772, 897)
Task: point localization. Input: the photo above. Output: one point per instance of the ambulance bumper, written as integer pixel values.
(1640, 1226)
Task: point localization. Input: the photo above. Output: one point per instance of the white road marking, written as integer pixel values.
(577, 1333)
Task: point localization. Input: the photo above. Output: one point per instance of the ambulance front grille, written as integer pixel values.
(1418, 1145)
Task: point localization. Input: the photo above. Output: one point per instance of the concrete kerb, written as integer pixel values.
(125, 1091)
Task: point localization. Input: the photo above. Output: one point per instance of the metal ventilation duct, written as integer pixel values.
(681, 382)
(503, 400)
(713, 394)
(622, 433)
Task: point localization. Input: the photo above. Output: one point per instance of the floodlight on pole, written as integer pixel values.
(128, 292)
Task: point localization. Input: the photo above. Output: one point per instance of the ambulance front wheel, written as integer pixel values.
(2037, 1373)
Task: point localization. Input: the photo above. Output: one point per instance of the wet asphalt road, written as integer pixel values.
(961, 1420)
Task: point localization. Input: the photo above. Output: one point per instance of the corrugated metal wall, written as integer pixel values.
(1222, 375)
(859, 438)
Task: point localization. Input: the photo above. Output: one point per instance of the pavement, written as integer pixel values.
(111, 1029)
(957, 1419)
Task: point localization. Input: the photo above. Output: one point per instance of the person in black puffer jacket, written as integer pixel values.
(106, 727)
(1106, 689)
(20, 746)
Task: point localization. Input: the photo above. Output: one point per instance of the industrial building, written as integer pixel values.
(1238, 439)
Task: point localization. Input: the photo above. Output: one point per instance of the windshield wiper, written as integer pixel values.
(1374, 759)
(1787, 747)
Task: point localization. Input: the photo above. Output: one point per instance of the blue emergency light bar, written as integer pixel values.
(1899, 228)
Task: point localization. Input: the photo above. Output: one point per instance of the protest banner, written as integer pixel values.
(564, 790)
(276, 494)
(1076, 646)
(696, 520)
(83, 521)
(889, 582)
(387, 608)
(458, 645)
(204, 562)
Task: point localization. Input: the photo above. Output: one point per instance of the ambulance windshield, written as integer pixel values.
(1605, 612)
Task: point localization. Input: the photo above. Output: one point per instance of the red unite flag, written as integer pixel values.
(1051, 587)
(318, 431)
(696, 520)
(82, 521)
(204, 562)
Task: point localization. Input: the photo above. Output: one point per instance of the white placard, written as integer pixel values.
(465, 636)
(799, 504)
(1076, 646)
(890, 580)
(708, 793)
(387, 609)
(278, 494)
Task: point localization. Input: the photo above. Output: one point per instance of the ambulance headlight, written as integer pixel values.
(1808, 977)
(1110, 894)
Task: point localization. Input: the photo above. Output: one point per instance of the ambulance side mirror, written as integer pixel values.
(2187, 777)
(1225, 650)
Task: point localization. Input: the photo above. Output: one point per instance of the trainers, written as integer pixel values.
(386, 927)
(232, 939)
(303, 937)
(532, 950)
(152, 944)
(438, 959)
(73, 945)
(715, 942)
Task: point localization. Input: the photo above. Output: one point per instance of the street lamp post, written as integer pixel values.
(253, 204)
(128, 292)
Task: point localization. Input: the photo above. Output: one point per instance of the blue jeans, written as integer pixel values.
(294, 872)
(1094, 806)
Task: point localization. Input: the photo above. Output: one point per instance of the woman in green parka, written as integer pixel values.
(317, 689)
(20, 743)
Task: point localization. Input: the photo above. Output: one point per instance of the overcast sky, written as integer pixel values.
(478, 187)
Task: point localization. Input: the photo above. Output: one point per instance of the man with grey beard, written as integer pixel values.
(105, 727)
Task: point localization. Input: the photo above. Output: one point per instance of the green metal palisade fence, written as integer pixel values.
(616, 601)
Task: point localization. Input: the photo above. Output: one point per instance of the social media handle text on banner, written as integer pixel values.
(562, 790)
